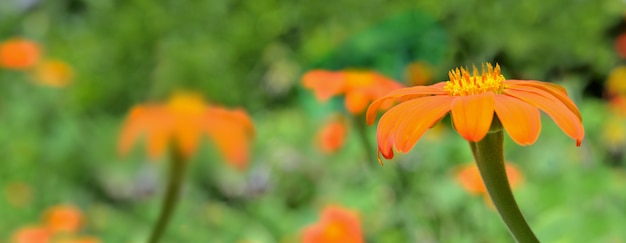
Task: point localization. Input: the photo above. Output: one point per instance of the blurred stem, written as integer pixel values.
(359, 123)
(170, 199)
(489, 156)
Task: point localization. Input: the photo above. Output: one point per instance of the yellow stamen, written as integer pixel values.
(462, 83)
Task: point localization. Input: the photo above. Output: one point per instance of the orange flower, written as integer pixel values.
(182, 120)
(469, 177)
(333, 135)
(359, 87)
(32, 235)
(338, 225)
(472, 101)
(63, 218)
(18, 53)
(620, 45)
(418, 73)
(54, 73)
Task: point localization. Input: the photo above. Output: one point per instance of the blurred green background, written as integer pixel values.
(58, 145)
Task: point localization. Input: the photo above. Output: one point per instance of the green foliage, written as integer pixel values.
(61, 143)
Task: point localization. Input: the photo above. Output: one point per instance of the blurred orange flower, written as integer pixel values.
(53, 73)
(472, 101)
(19, 53)
(63, 219)
(469, 177)
(332, 135)
(337, 225)
(620, 45)
(182, 120)
(418, 73)
(32, 235)
(360, 87)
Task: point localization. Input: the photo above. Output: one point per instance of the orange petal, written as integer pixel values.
(131, 129)
(402, 94)
(520, 120)
(325, 84)
(18, 53)
(562, 116)
(188, 136)
(231, 140)
(555, 90)
(472, 115)
(356, 102)
(64, 218)
(332, 136)
(32, 234)
(337, 225)
(313, 234)
(231, 131)
(469, 177)
(158, 136)
(404, 124)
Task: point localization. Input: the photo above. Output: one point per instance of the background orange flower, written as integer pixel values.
(359, 87)
(332, 136)
(63, 219)
(181, 121)
(32, 235)
(469, 177)
(337, 225)
(19, 53)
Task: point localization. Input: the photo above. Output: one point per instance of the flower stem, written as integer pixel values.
(170, 199)
(359, 123)
(489, 155)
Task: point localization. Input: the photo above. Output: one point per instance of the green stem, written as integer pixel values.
(170, 199)
(489, 155)
(359, 123)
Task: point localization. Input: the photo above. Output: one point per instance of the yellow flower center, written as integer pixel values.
(186, 103)
(359, 79)
(462, 83)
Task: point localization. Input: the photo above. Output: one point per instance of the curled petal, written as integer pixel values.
(553, 89)
(559, 112)
(402, 94)
(158, 136)
(472, 115)
(404, 124)
(520, 120)
(325, 84)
